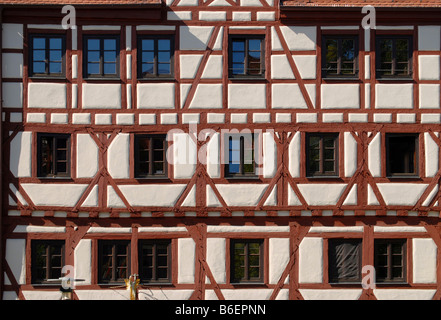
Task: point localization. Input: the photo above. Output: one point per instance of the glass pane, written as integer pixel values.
(39, 55)
(61, 167)
(397, 272)
(109, 56)
(164, 68)
(109, 68)
(238, 45)
(106, 271)
(331, 54)
(148, 56)
(93, 56)
(46, 155)
(55, 67)
(162, 273)
(93, 44)
(39, 67)
(386, 50)
(147, 68)
(109, 44)
(93, 68)
(254, 44)
(55, 55)
(253, 273)
(164, 56)
(328, 166)
(164, 44)
(55, 43)
(148, 44)
(347, 50)
(39, 43)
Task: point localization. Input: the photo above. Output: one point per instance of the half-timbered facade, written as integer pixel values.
(221, 149)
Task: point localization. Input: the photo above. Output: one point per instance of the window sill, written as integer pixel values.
(391, 79)
(48, 78)
(357, 78)
(102, 79)
(247, 78)
(156, 79)
(242, 178)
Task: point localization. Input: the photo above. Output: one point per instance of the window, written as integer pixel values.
(239, 155)
(113, 260)
(53, 155)
(47, 258)
(394, 56)
(401, 155)
(246, 261)
(155, 56)
(246, 56)
(154, 261)
(47, 56)
(101, 56)
(150, 155)
(340, 55)
(390, 260)
(322, 154)
(344, 260)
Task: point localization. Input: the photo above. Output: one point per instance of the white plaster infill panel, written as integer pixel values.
(340, 96)
(213, 68)
(83, 262)
(287, 96)
(424, 257)
(21, 155)
(241, 194)
(194, 37)
(322, 194)
(394, 96)
(101, 96)
(246, 96)
(404, 194)
(12, 36)
(87, 156)
(12, 94)
(12, 65)
(278, 258)
(216, 253)
(429, 67)
(299, 37)
(156, 95)
(431, 150)
(331, 294)
(429, 38)
(241, 229)
(207, 96)
(152, 195)
(186, 260)
(118, 156)
(60, 194)
(311, 260)
(280, 68)
(39, 93)
(404, 294)
(16, 258)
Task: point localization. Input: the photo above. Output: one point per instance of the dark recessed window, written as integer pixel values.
(394, 56)
(155, 261)
(239, 155)
(340, 56)
(47, 55)
(150, 156)
(246, 261)
(401, 155)
(344, 260)
(155, 56)
(101, 56)
(390, 260)
(113, 260)
(53, 155)
(246, 56)
(47, 260)
(321, 154)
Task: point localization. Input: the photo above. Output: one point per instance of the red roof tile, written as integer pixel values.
(361, 3)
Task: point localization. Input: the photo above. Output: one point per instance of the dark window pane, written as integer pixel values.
(109, 44)
(344, 260)
(401, 154)
(164, 44)
(93, 44)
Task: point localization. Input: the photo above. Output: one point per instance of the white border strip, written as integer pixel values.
(336, 229)
(247, 229)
